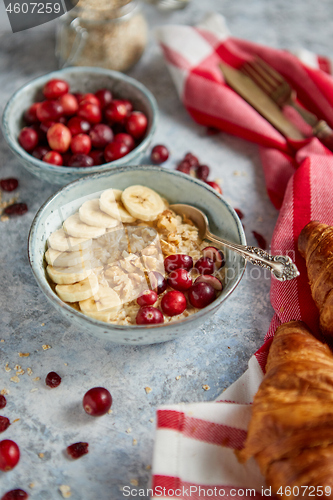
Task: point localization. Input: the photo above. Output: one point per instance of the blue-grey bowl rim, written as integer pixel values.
(46, 288)
(15, 146)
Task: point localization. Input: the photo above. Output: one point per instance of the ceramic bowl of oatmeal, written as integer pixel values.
(110, 254)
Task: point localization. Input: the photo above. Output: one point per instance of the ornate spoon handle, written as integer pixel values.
(281, 266)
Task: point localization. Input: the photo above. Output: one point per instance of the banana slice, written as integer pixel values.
(91, 214)
(82, 290)
(110, 203)
(60, 241)
(103, 306)
(73, 226)
(67, 275)
(142, 202)
(68, 259)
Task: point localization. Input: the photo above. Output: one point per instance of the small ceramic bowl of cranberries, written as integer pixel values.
(79, 121)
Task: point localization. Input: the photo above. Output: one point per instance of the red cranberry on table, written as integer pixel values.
(184, 166)
(202, 172)
(77, 450)
(101, 135)
(52, 380)
(262, 243)
(178, 261)
(125, 139)
(69, 104)
(17, 494)
(97, 157)
(149, 315)
(9, 455)
(28, 139)
(4, 423)
(97, 401)
(9, 185)
(201, 295)
(205, 265)
(54, 158)
(3, 401)
(104, 96)
(90, 112)
(80, 160)
(157, 282)
(239, 213)
(55, 88)
(40, 152)
(159, 154)
(49, 110)
(211, 280)
(193, 160)
(215, 186)
(147, 298)
(216, 255)
(30, 115)
(116, 111)
(179, 279)
(115, 150)
(81, 144)
(173, 303)
(16, 209)
(136, 124)
(59, 138)
(78, 125)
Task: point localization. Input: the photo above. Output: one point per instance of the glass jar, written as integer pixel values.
(108, 33)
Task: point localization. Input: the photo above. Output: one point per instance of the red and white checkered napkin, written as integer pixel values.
(194, 447)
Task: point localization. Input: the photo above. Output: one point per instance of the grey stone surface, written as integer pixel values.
(216, 355)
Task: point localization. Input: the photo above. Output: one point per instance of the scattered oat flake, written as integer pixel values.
(151, 420)
(2, 340)
(134, 442)
(129, 430)
(34, 390)
(148, 390)
(36, 379)
(65, 491)
(66, 364)
(7, 369)
(41, 455)
(20, 372)
(206, 387)
(134, 482)
(4, 218)
(15, 379)
(178, 377)
(148, 467)
(43, 324)
(29, 371)
(109, 411)
(24, 354)
(281, 309)
(46, 347)
(32, 485)
(4, 392)
(17, 367)
(236, 173)
(16, 420)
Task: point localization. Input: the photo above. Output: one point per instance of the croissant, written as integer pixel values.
(291, 430)
(315, 244)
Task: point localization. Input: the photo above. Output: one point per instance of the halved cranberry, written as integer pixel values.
(115, 150)
(149, 315)
(53, 158)
(104, 96)
(30, 115)
(16, 209)
(125, 139)
(215, 186)
(52, 380)
(81, 144)
(97, 401)
(179, 279)
(4, 423)
(136, 124)
(184, 166)
(97, 157)
(157, 282)
(216, 255)
(159, 154)
(201, 295)
(3, 401)
(147, 298)
(193, 160)
(77, 450)
(69, 104)
(178, 261)
(49, 111)
(90, 99)
(55, 88)
(90, 112)
(202, 172)
(116, 111)
(9, 184)
(211, 280)
(101, 135)
(262, 243)
(80, 160)
(239, 213)
(9, 455)
(173, 303)
(205, 265)
(40, 152)
(28, 138)
(59, 138)
(78, 125)
(17, 494)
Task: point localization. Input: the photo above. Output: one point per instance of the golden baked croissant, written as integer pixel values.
(291, 430)
(315, 244)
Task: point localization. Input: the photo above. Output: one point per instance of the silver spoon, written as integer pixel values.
(281, 266)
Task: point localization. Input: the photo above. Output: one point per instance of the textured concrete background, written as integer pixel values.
(215, 355)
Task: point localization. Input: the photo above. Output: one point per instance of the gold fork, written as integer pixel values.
(279, 90)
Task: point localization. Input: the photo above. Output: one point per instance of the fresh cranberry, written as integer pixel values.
(184, 166)
(80, 160)
(78, 125)
(211, 280)
(4, 423)
(104, 96)
(159, 154)
(179, 279)
(77, 450)
(69, 104)
(55, 88)
(16, 209)
(45, 126)
(193, 160)
(49, 111)
(136, 124)
(9, 184)
(97, 157)
(17, 494)
(90, 99)
(216, 255)
(205, 265)
(81, 144)
(178, 261)
(30, 115)
(116, 111)
(203, 172)
(173, 303)
(125, 139)
(128, 105)
(53, 158)
(201, 294)
(28, 138)
(97, 401)
(101, 135)
(62, 120)
(90, 112)
(147, 298)
(40, 152)
(78, 96)
(3, 401)
(260, 240)
(59, 138)
(9, 455)
(239, 213)
(157, 282)
(215, 186)
(149, 315)
(115, 150)
(53, 380)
